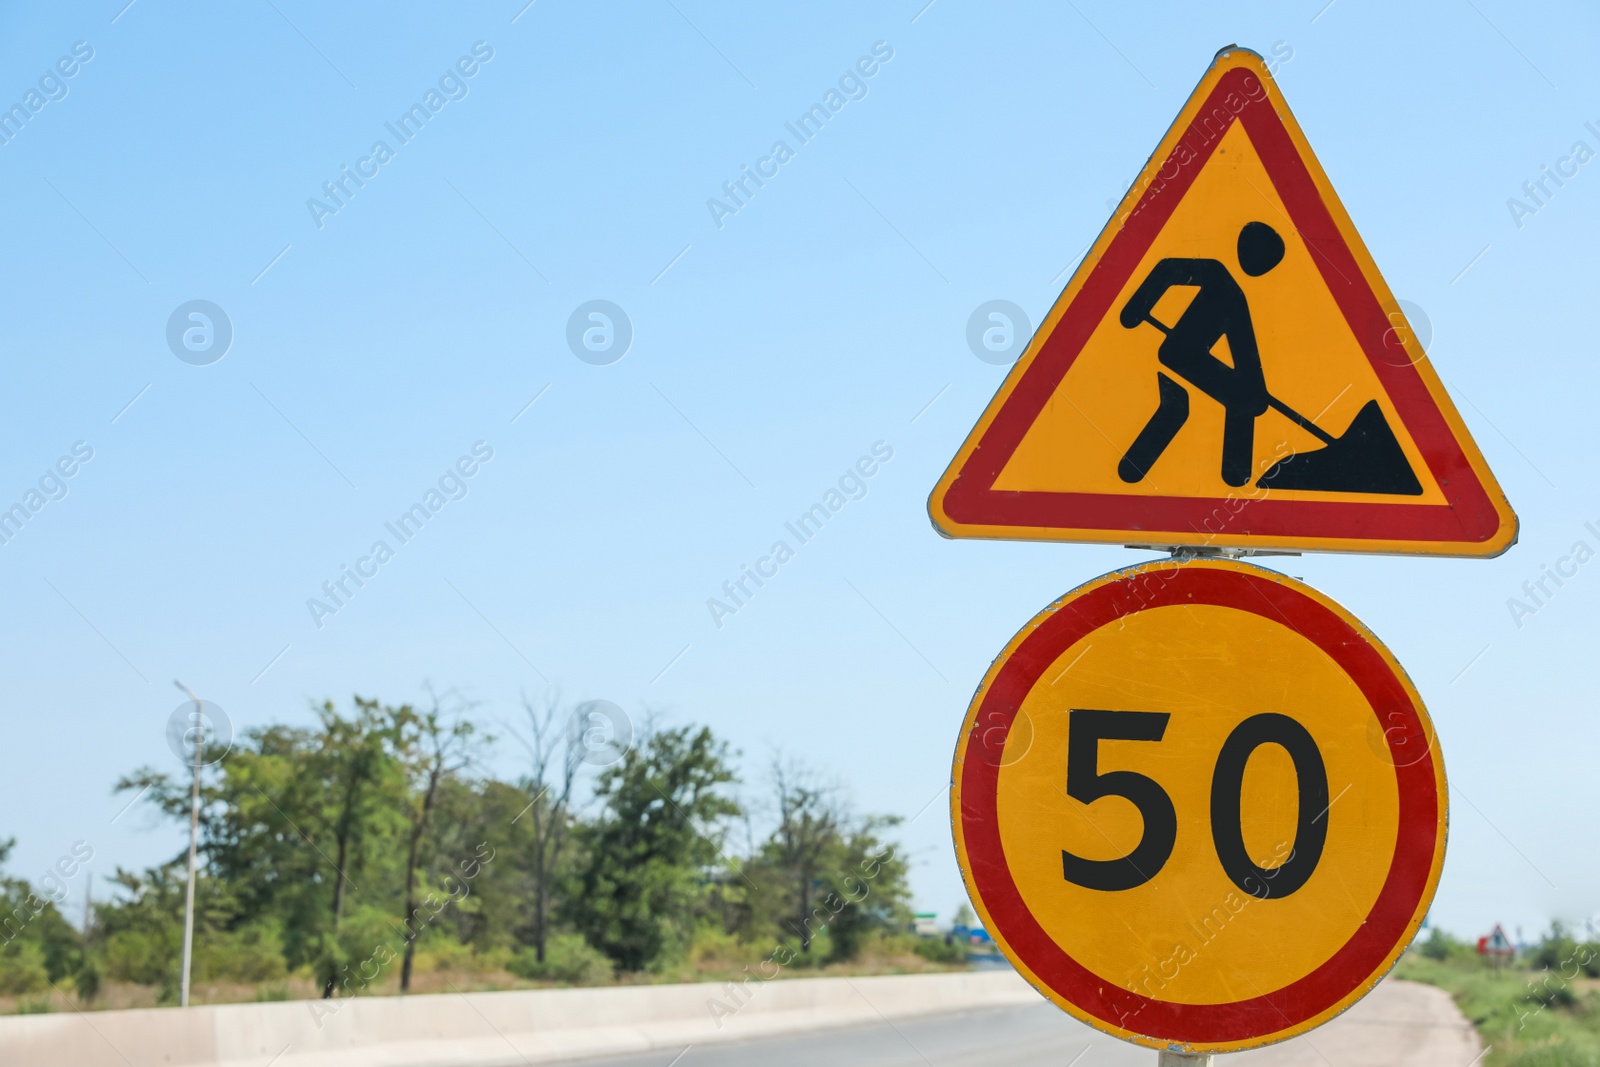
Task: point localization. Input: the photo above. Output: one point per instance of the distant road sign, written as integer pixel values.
(1199, 804)
(1496, 944)
(1227, 368)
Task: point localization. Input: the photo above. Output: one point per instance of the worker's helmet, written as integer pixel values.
(1260, 248)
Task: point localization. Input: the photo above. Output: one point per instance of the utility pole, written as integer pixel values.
(197, 735)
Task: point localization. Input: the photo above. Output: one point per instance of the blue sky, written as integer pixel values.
(768, 355)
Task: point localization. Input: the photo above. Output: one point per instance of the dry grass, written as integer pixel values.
(458, 971)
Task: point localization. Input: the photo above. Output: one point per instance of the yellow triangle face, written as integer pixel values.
(1111, 390)
(1227, 368)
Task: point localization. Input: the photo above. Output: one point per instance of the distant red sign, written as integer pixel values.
(1496, 944)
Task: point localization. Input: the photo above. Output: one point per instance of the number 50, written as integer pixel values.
(1087, 728)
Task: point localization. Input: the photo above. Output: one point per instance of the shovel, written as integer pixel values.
(1366, 458)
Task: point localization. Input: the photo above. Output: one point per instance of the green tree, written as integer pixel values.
(476, 843)
(337, 847)
(555, 752)
(37, 945)
(822, 872)
(805, 843)
(357, 760)
(290, 819)
(431, 749)
(650, 851)
(1558, 950)
(865, 889)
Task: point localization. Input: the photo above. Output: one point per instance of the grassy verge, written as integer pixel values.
(1528, 1015)
(456, 968)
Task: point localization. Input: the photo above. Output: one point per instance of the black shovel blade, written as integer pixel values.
(1366, 458)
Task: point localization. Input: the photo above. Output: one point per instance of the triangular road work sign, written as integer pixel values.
(1227, 368)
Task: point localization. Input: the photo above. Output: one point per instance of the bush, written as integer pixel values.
(1554, 950)
(1437, 946)
(141, 956)
(440, 954)
(252, 953)
(22, 969)
(568, 959)
(711, 943)
(87, 980)
(1559, 951)
(941, 950)
(1549, 989)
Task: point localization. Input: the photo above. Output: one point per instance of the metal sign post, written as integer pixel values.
(196, 735)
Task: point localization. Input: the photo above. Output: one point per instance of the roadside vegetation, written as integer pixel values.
(1540, 1010)
(370, 853)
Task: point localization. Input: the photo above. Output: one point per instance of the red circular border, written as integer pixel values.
(1409, 871)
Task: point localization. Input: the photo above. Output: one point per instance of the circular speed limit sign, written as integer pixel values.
(1199, 806)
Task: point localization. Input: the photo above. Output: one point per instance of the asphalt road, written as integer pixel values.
(1399, 1024)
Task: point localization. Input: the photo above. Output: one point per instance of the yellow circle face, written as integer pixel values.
(1167, 660)
(1189, 793)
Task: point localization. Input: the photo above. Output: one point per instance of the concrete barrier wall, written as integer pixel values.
(484, 1029)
